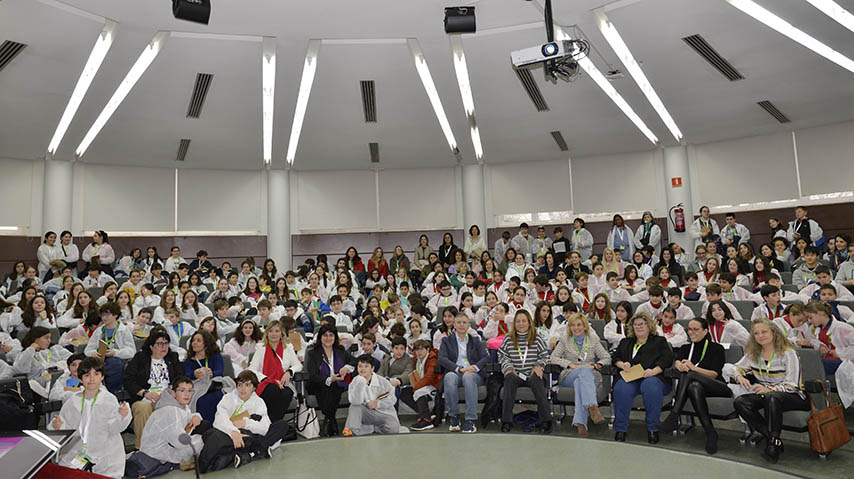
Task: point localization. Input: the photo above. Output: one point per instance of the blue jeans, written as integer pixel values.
(653, 391)
(470, 382)
(831, 365)
(582, 381)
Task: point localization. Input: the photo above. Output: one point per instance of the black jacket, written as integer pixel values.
(138, 371)
(313, 360)
(713, 360)
(655, 352)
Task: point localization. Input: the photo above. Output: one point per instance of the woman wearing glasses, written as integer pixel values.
(699, 364)
(148, 374)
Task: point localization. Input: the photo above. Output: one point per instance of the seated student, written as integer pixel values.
(171, 419)
(463, 359)
(723, 327)
(69, 383)
(573, 265)
(806, 273)
(580, 353)
(201, 264)
(397, 365)
(827, 295)
(146, 298)
(134, 283)
(372, 403)
(416, 332)
(95, 278)
(644, 295)
(673, 332)
(699, 367)
(327, 365)
(615, 330)
(204, 362)
(142, 324)
(368, 345)
(177, 329)
(336, 305)
(613, 290)
(156, 276)
(313, 305)
(265, 314)
(221, 316)
(785, 296)
(645, 347)
(38, 357)
(423, 386)
(191, 310)
(520, 300)
(771, 308)
(348, 305)
(446, 297)
(79, 336)
(729, 290)
(597, 280)
(99, 420)
(109, 294)
(243, 344)
(710, 273)
(583, 295)
(656, 304)
(767, 377)
(824, 276)
(692, 291)
(242, 429)
(524, 369)
(631, 282)
(824, 327)
(674, 300)
(147, 375)
(601, 309)
(120, 347)
(715, 293)
(664, 278)
(10, 346)
(37, 312)
(293, 310)
(275, 363)
(543, 289)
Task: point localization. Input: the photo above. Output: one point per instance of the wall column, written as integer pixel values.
(676, 169)
(279, 218)
(56, 210)
(474, 209)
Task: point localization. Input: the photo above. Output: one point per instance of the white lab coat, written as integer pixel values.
(104, 435)
(172, 264)
(741, 231)
(254, 405)
(123, 343)
(677, 337)
(70, 254)
(500, 248)
(478, 246)
(630, 237)
(152, 301)
(8, 340)
(732, 309)
(697, 225)
(734, 332)
(164, 427)
(383, 419)
(342, 319)
(842, 293)
(34, 364)
(99, 282)
(654, 237)
(192, 316)
(45, 255)
(105, 253)
(582, 241)
(524, 245)
(239, 353)
(443, 301)
(612, 335)
(58, 392)
(815, 231)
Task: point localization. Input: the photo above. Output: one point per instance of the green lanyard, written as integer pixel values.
(84, 433)
(637, 347)
(39, 359)
(206, 365)
(419, 367)
(578, 351)
(237, 411)
(767, 364)
(702, 355)
(109, 340)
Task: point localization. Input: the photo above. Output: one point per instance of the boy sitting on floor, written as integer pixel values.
(171, 419)
(372, 402)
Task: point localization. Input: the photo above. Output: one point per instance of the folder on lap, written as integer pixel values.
(636, 372)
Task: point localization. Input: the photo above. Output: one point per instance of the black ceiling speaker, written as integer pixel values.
(460, 20)
(198, 11)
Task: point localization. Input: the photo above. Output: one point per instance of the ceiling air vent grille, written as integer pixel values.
(369, 101)
(182, 149)
(531, 88)
(200, 92)
(561, 143)
(702, 47)
(8, 51)
(375, 152)
(773, 111)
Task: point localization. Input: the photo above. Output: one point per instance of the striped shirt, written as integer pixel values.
(782, 374)
(524, 358)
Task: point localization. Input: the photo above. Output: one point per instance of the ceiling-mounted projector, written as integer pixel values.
(547, 51)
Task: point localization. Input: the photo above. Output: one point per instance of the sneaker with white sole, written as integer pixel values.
(469, 427)
(421, 425)
(454, 423)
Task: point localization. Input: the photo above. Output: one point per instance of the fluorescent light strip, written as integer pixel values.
(9, 228)
(461, 69)
(625, 55)
(268, 94)
(308, 70)
(609, 90)
(93, 64)
(764, 16)
(145, 58)
(432, 93)
(835, 11)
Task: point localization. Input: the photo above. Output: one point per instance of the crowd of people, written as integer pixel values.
(427, 331)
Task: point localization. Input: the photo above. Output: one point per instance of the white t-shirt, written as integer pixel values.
(159, 379)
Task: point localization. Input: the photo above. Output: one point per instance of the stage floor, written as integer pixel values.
(517, 455)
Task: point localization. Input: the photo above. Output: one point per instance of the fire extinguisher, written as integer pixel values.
(678, 218)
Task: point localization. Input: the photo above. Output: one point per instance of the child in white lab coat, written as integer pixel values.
(372, 402)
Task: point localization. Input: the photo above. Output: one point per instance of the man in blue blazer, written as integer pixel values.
(463, 359)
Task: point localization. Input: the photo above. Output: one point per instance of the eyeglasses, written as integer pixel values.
(182, 390)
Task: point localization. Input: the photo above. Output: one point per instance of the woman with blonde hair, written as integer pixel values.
(377, 261)
(642, 347)
(581, 356)
(523, 356)
(611, 262)
(769, 378)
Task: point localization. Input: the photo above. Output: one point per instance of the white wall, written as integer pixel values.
(826, 158)
(121, 198)
(20, 194)
(614, 183)
(336, 200)
(527, 187)
(423, 198)
(220, 200)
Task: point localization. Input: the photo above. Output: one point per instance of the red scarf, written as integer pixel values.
(502, 329)
(584, 294)
(708, 277)
(272, 367)
(824, 337)
(664, 283)
(600, 313)
(667, 329)
(718, 331)
(547, 296)
(776, 312)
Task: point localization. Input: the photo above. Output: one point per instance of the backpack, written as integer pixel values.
(15, 413)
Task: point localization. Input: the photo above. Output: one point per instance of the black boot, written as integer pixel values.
(324, 428)
(711, 441)
(772, 450)
(669, 424)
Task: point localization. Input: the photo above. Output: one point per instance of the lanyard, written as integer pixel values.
(84, 426)
(39, 359)
(109, 340)
(621, 233)
(767, 364)
(702, 355)
(578, 351)
(237, 411)
(524, 357)
(179, 329)
(206, 362)
(326, 360)
(419, 366)
(636, 348)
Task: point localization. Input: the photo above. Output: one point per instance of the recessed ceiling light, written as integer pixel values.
(835, 11)
(764, 16)
(432, 93)
(308, 70)
(268, 94)
(145, 58)
(625, 55)
(462, 72)
(93, 64)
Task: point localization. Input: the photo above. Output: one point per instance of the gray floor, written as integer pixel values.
(492, 454)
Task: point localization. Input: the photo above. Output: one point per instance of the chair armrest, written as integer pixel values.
(813, 386)
(300, 377)
(553, 369)
(493, 368)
